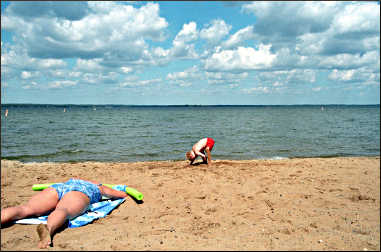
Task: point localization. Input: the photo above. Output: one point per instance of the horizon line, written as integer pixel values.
(198, 105)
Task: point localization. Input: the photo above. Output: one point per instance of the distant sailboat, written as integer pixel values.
(64, 110)
(322, 108)
(6, 112)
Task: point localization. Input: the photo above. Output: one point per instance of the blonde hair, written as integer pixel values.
(189, 155)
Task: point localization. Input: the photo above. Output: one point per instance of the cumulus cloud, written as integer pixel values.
(362, 75)
(282, 77)
(30, 10)
(186, 77)
(226, 78)
(195, 75)
(98, 77)
(16, 56)
(187, 34)
(292, 18)
(26, 75)
(182, 46)
(16, 65)
(103, 37)
(186, 74)
(215, 31)
(51, 63)
(88, 65)
(239, 37)
(31, 85)
(241, 59)
(64, 44)
(309, 31)
(357, 18)
(139, 83)
(348, 61)
(256, 90)
(61, 84)
(120, 30)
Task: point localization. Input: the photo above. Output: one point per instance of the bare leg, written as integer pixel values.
(71, 205)
(39, 204)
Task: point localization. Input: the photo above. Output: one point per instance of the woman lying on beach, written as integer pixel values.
(67, 200)
(205, 144)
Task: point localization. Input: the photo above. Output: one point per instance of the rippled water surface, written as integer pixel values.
(36, 133)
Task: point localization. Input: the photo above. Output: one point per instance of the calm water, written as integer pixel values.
(37, 133)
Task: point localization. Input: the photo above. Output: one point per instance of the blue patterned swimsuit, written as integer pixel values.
(91, 190)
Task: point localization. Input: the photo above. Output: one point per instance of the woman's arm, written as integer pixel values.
(111, 193)
(107, 191)
(209, 155)
(198, 153)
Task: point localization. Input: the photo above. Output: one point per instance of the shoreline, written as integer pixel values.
(330, 203)
(275, 158)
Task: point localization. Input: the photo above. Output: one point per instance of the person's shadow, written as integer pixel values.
(199, 163)
(6, 225)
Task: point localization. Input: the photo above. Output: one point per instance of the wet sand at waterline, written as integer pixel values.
(287, 204)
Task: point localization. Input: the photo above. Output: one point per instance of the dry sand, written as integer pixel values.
(294, 204)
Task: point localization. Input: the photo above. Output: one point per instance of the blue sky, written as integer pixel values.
(203, 53)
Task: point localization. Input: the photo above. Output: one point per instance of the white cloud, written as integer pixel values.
(256, 90)
(187, 34)
(358, 17)
(181, 47)
(105, 42)
(140, 83)
(215, 31)
(17, 57)
(88, 65)
(292, 18)
(241, 59)
(317, 34)
(126, 69)
(99, 77)
(51, 63)
(74, 74)
(62, 84)
(184, 51)
(341, 75)
(361, 76)
(26, 75)
(160, 52)
(347, 61)
(287, 77)
(193, 74)
(30, 85)
(226, 78)
(186, 77)
(239, 37)
(188, 73)
(286, 58)
(108, 26)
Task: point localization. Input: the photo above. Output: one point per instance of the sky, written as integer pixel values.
(190, 53)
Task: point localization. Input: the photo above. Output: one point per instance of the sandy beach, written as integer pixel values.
(289, 204)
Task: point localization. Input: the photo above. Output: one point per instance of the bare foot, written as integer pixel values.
(43, 234)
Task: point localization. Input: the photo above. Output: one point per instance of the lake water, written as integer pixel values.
(45, 133)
